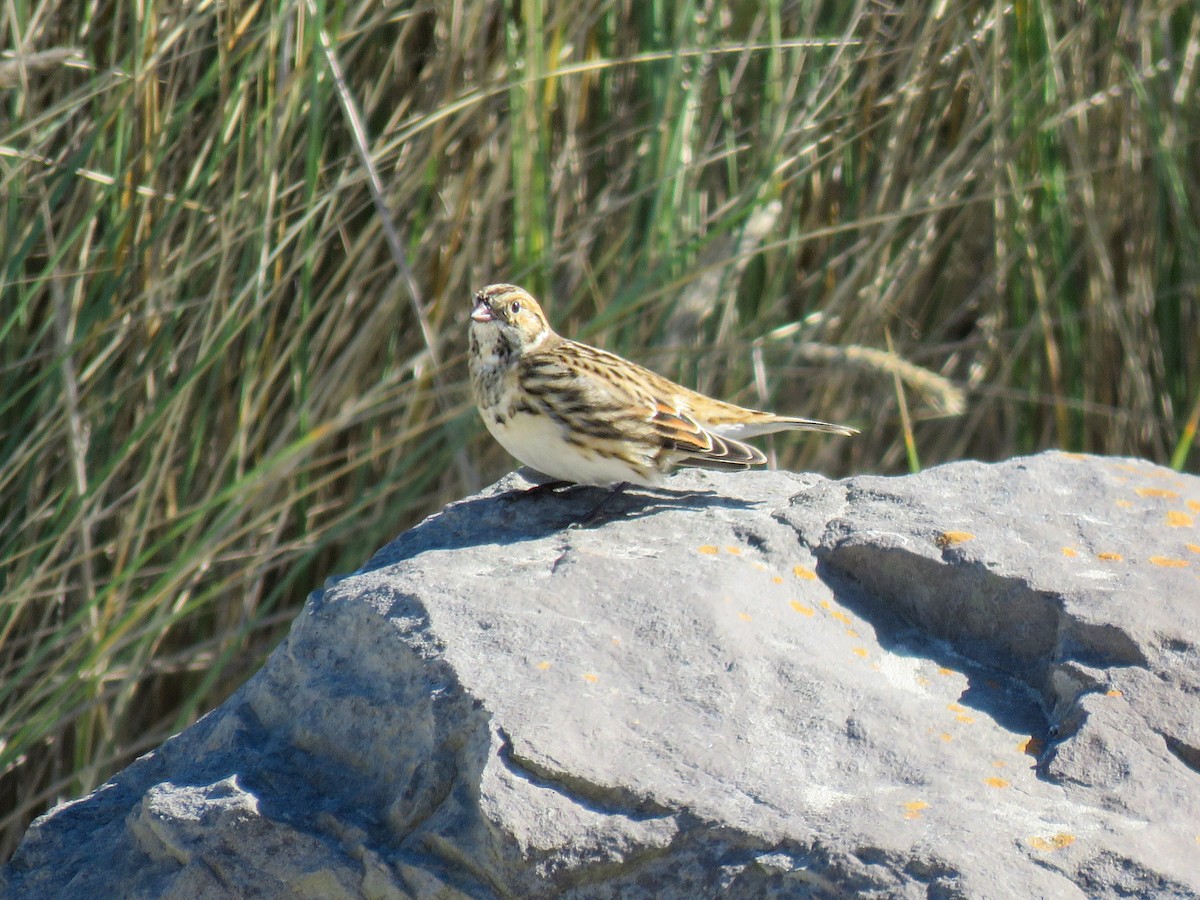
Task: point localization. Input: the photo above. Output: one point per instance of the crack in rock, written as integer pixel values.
(610, 800)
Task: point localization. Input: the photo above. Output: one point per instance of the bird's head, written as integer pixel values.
(511, 313)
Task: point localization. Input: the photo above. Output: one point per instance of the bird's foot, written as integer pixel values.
(549, 487)
(546, 487)
(595, 515)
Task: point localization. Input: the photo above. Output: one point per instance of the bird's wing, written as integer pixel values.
(696, 445)
(609, 398)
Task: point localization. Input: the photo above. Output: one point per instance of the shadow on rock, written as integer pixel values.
(521, 514)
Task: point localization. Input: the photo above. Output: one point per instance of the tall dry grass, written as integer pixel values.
(229, 369)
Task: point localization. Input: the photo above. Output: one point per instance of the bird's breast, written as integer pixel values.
(493, 371)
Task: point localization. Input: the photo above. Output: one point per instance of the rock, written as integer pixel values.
(982, 680)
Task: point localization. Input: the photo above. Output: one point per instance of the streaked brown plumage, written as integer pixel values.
(581, 414)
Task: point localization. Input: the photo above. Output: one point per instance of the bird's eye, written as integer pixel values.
(516, 307)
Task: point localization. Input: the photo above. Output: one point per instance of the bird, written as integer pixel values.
(582, 415)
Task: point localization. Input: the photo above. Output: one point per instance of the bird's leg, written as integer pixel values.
(548, 487)
(590, 518)
(553, 488)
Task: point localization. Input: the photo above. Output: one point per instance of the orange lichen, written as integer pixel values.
(996, 782)
(708, 550)
(1168, 563)
(1110, 556)
(1069, 551)
(804, 573)
(1054, 842)
(801, 608)
(953, 538)
(591, 677)
(1156, 492)
(544, 665)
(859, 651)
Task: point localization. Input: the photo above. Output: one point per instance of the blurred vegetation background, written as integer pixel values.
(239, 242)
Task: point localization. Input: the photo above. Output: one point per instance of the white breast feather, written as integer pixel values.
(537, 441)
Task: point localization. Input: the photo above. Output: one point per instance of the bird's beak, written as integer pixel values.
(482, 311)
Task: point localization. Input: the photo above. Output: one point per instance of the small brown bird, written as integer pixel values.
(580, 414)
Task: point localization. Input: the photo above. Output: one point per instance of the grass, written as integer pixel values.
(239, 241)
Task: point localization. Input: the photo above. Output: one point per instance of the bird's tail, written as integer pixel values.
(771, 424)
(794, 424)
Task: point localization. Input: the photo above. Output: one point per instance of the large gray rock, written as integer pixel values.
(983, 681)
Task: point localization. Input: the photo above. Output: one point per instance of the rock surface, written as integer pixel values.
(981, 681)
